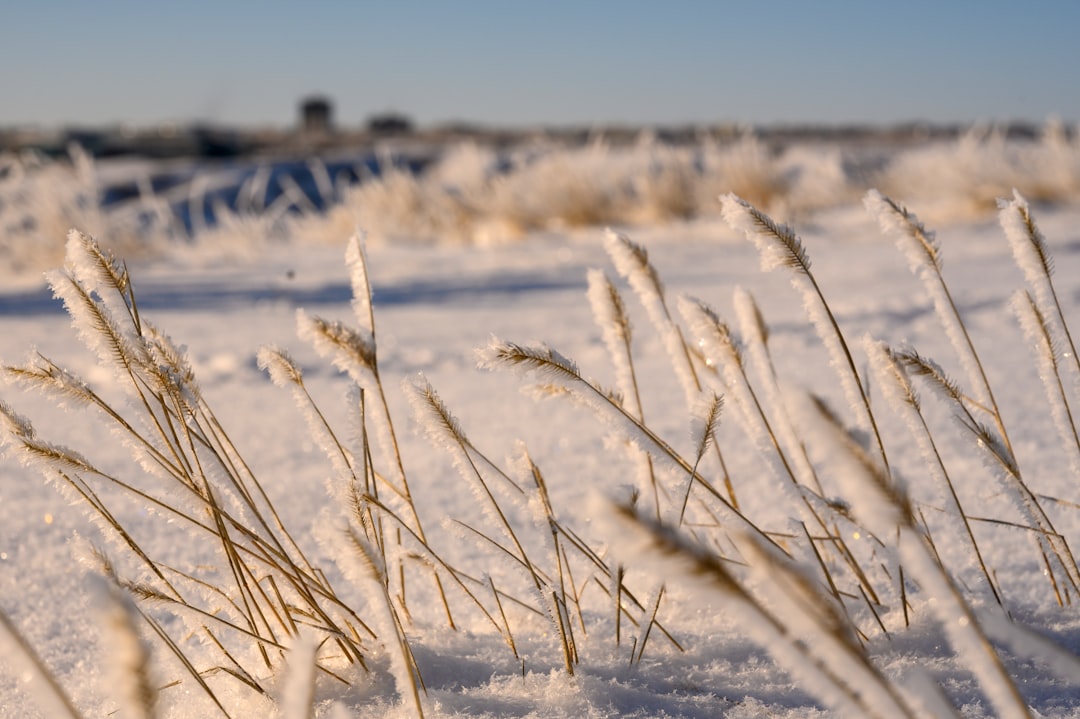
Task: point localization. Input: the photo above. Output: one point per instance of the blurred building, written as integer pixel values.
(316, 115)
(390, 123)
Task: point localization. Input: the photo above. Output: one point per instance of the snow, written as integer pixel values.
(435, 305)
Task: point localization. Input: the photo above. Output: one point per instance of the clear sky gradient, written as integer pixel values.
(550, 62)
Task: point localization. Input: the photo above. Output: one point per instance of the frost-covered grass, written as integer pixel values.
(476, 194)
(892, 557)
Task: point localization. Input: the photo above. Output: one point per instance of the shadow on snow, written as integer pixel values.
(205, 295)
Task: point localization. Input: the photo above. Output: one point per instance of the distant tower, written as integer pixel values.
(315, 115)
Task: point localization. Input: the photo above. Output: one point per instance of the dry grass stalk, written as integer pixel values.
(722, 351)
(1033, 257)
(1037, 330)
(631, 261)
(755, 336)
(197, 476)
(924, 257)
(878, 502)
(355, 353)
(1005, 467)
(129, 657)
(609, 312)
(821, 668)
(779, 246)
(405, 670)
(546, 362)
(899, 391)
(433, 414)
(1030, 250)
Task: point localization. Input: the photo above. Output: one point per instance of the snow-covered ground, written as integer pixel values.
(435, 304)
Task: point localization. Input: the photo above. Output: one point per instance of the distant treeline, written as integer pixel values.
(207, 141)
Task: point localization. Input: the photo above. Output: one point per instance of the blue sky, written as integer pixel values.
(545, 62)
